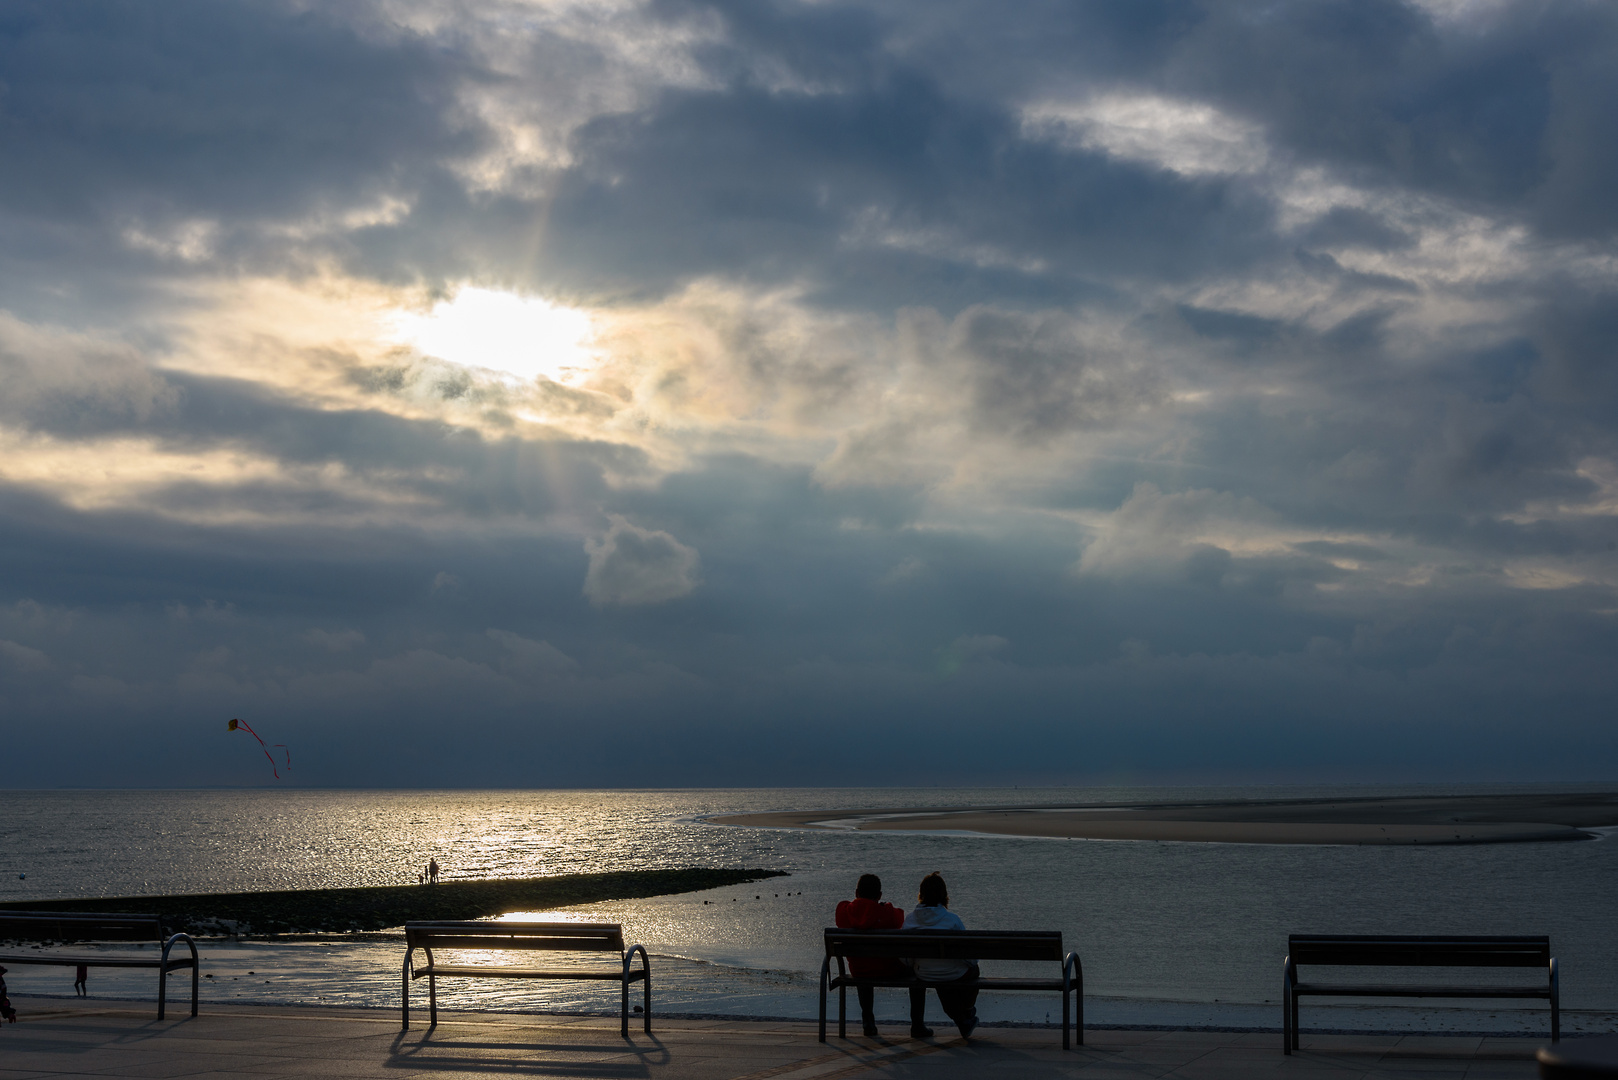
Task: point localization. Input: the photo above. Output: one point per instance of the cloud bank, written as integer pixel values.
(1126, 391)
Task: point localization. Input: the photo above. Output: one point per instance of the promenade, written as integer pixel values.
(63, 1038)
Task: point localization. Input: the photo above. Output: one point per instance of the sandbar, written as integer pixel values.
(1408, 820)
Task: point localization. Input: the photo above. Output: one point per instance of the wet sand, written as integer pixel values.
(1411, 820)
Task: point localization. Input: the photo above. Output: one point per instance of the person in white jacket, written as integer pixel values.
(960, 1002)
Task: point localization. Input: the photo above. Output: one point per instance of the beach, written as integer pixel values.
(1359, 821)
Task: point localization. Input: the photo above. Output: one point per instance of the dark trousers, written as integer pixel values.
(867, 1002)
(959, 1002)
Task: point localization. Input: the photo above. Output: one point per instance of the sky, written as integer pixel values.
(508, 393)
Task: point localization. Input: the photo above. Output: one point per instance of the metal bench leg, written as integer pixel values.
(1288, 1014)
(646, 988)
(432, 1000)
(1556, 1004)
(162, 989)
(1066, 1042)
(842, 1012)
(404, 996)
(623, 1009)
(824, 976)
(1078, 1010)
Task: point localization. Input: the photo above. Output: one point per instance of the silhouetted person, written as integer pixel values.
(6, 1011)
(960, 1002)
(432, 871)
(79, 978)
(866, 912)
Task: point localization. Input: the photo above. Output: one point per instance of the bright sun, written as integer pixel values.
(523, 336)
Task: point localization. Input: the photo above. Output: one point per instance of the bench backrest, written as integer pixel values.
(947, 944)
(1414, 950)
(78, 926)
(554, 936)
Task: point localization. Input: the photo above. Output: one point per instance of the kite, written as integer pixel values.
(234, 724)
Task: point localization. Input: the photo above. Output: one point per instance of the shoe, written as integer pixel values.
(919, 1032)
(969, 1027)
(870, 1029)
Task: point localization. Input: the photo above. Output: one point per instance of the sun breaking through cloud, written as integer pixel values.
(1179, 390)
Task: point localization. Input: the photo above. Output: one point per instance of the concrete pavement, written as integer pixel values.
(65, 1038)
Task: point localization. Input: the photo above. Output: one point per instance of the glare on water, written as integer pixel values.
(1172, 933)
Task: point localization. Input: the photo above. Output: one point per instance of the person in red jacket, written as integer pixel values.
(867, 912)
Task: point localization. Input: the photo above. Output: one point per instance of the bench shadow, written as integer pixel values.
(421, 1051)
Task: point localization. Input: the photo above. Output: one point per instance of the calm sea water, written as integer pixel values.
(1170, 933)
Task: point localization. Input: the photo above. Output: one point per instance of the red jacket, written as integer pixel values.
(863, 914)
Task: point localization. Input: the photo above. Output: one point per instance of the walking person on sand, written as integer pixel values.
(867, 912)
(960, 1002)
(79, 979)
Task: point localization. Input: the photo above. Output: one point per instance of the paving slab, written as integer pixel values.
(57, 1040)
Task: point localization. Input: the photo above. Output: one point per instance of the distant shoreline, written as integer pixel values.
(1422, 820)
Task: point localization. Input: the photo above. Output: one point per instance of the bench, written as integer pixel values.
(1403, 950)
(74, 926)
(541, 936)
(1035, 945)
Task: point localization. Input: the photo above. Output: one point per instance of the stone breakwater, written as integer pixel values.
(321, 911)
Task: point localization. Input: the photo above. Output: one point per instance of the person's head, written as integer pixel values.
(933, 891)
(869, 887)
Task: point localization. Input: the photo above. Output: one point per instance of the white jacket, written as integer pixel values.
(922, 917)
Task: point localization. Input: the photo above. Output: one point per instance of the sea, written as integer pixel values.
(1171, 935)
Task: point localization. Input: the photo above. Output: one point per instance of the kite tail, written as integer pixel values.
(288, 753)
(243, 725)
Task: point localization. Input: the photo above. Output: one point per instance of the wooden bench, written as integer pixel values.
(543, 936)
(1403, 950)
(1036, 945)
(74, 926)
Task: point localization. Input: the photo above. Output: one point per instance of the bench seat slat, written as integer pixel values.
(64, 960)
(983, 982)
(1407, 990)
(947, 945)
(1352, 950)
(495, 971)
(553, 944)
(54, 926)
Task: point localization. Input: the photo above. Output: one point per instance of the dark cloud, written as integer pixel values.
(1162, 388)
(776, 184)
(246, 111)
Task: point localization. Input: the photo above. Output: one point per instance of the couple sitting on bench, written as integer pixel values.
(867, 912)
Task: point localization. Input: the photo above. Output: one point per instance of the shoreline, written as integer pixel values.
(1410, 820)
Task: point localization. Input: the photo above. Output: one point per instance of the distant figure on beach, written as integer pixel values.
(79, 979)
(867, 912)
(6, 1011)
(960, 1002)
(432, 871)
